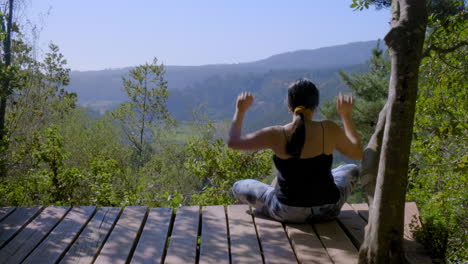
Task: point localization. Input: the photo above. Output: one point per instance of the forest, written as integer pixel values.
(54, 151)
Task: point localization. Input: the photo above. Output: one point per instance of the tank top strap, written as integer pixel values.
(323, 138)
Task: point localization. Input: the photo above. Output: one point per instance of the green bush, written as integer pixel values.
(219, 167)
(439, 161)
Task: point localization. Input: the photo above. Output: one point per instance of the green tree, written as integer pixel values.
(49, 160)
(7, 77)
(370, 89)
(439, 160)
(147, 92)
(56, 76)
(38, 102)
(87, 138)
(40, 97)
(81, 160)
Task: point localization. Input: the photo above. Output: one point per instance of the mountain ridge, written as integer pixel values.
(190, 86)
(286, 53)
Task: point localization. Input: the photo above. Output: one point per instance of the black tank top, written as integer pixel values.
(306, 182)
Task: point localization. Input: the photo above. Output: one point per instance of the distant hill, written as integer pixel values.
(216, 85)
(327, 57)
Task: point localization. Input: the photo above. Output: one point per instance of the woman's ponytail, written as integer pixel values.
(295, 142)
(303, 98)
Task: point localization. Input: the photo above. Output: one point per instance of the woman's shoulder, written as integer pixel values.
(275, 128)
(280, 128)
(274, 132)
(329, 124)
(331, 128)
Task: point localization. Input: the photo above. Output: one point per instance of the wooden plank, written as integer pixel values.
(338, 245)
(214, 247)
(23, 243)
(415, 252)
(5, 211)
(353, 224)
(362, 209)
(411, 212)
(11, 225)
(57, 242)
(244, 243)
(152, 241)
(183, 244)
(119, 245)
(275, 243)
(86, 246)
(307, 245)
(411, 219)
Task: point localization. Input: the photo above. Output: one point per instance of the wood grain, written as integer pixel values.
(307, 245)
(5, 211)
(118, 247)
(183, 244)
(12, 224)
(353, 223)
(214, 246)
(244, 242)
(86, 246)
(22, 244)
(152, 241)
(55, 234)
(362, 209)
(338, 245)
(54, 246)
(275, 243)
(411, 220)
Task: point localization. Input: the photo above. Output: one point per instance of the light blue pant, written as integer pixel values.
(262, 197)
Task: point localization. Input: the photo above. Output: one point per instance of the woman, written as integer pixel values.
(307, 188)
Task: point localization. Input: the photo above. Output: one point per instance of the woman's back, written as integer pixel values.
(307, 180)
(318, 140)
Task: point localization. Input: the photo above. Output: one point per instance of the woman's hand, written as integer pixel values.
(244, 101)
(348, 142)
(344, 105)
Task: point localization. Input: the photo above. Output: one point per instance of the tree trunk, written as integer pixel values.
(370, 161)
(5, 89)
(384, 233)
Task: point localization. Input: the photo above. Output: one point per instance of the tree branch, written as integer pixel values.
(442, 51)
(370, 161)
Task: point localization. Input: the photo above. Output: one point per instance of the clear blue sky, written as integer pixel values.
(98, 34)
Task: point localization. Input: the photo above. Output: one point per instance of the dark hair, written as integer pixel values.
(300, 93)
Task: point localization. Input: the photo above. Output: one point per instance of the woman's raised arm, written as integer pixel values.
(347, 141)
(261, 139)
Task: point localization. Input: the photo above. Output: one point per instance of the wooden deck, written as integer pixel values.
(211, 234)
